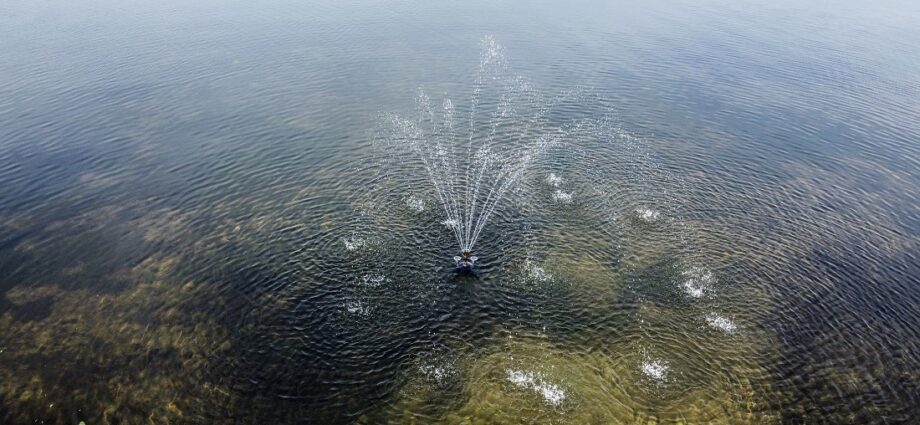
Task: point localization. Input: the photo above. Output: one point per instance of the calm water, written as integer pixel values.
(199, 224)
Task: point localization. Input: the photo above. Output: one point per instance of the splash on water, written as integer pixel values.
(535, 272)
(648, 215)
(562, 197)
(415, 204)
(697, 282)
(354, 243)
(721, 323)
(438, 367)
(436, 373)
(553, 180)
(552, 394)
(655, 369)
(372, 280)
(357, 308)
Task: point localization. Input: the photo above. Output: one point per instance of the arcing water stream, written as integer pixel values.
(476, 163)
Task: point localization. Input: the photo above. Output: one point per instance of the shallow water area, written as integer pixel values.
(682, 212)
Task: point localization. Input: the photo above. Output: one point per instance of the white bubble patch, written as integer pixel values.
(357, 308)
(655, 369)
(721, 323)
(648, 215)
(554, 180)
(562, 197)
(697, 282)
(354, 243)
(535, 272)
(438, 367)
(552, 394)
(415, 204)
(373, 280)
(434, 372)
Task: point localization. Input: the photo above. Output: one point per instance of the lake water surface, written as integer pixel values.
(201, 222)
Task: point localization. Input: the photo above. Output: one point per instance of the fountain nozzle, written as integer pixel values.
(465, 261)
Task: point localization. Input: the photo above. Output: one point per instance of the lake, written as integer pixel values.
(247, 212)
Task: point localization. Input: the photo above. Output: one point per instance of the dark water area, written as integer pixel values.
(199, 222)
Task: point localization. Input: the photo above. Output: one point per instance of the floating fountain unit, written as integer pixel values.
(465, 261)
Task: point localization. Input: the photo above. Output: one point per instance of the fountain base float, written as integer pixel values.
(465, 262)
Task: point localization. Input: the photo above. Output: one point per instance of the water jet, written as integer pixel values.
(472, 167)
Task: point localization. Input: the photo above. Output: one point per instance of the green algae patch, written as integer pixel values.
(141, 355)
(530, 379)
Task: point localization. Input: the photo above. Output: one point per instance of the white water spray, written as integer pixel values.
(472, 168)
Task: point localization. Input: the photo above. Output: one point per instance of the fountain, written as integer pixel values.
(473, 168)
(465, 261)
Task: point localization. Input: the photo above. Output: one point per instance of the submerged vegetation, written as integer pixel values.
(230, 215)
(140, 354)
